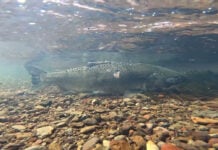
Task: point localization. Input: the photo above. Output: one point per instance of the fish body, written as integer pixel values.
(110, 77)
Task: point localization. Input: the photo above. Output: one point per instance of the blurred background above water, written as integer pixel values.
(60, 34)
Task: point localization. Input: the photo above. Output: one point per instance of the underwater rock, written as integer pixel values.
(138, 142)
(3, 119)
(161, 133)
(169, 146)
(120, 145)
(151, 146)
(44, 131)
(19, 127)
(13, 146)
(90, 121)
(125, 129)
(205, 113)
(213, 141)
(90, 143)
(77, 124)
(106, 144)
(204, 120)
(46, 103)
(200, 144)
(36, 147)
(23, 135)
(54, 146)
(120, 137)
(87, 129)
(213, 131)
(200, 135)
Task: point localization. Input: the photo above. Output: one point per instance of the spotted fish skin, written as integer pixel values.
(111, 78)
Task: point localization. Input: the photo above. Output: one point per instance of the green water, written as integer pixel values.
(13, 75)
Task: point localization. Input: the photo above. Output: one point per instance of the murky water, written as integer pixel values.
(56, 35)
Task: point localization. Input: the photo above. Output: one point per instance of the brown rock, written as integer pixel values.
(120, 145)
(169, 146)
(186, 146)
(199, 120)
(77, 124)
(201, 144)
(3, 119)
(44, 131)
(213, 141)
(54, 146)
(139, 142)
(161, 133)
(90, 121)
(125, 129)
(213, 130)
(151, 146)
(22, 135)
(18, 127)
(13, 146)
(148, 116)
(88, 129)
(200, 135)
(90, 143)
(215, 146)
(36, 147)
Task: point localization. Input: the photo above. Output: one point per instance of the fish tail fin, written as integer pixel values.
(36, 74)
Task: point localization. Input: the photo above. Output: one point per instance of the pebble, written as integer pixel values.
(169, 146)
(87, 129)
(54, 146)
(38, 107)
(36, 147)
(120, 137)
(213, 130)
(203, 128)
(215, 146)
(148, 116)
(22, 135)
(120, 145)
(199, 120)
(77, 124)
(200, 144)
(12, 146)
(106, 123)
(95, 102)
(186, 146)
(138, 142)
(112, 115)
(61, 124)
(90, 143)
(44, 131)
(200, 135)
(46, 103)
(18, 127)
(3, 119)
(213, 141)
(90, 121)
(161, 133)
(151, 146)
(160, 143)
(106, 144)
(149, 125)
(125, 129)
